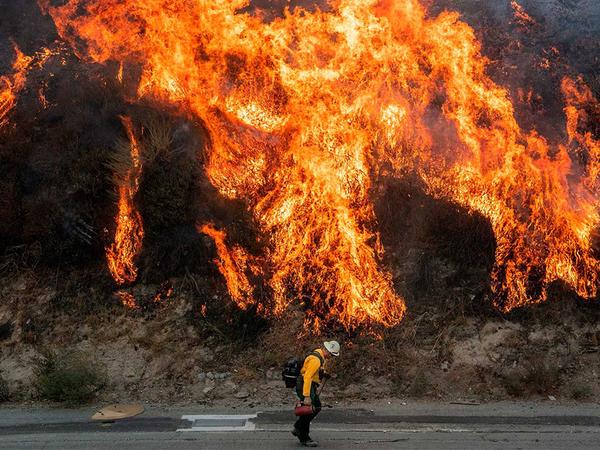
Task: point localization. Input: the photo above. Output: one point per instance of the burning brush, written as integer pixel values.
(12, 84)
(129, 233)
(305, 111)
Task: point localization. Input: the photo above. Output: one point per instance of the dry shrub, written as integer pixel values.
(170, 173)
(217, 317)
(539, 375)
(4, 391)
(420, 384)
(282, 342)
(513, 383)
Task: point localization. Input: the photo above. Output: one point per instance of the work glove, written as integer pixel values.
(325, 375)
(307, 401)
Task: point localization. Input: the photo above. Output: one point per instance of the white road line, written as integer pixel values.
(219, 422)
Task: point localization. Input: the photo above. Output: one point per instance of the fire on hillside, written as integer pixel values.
(305, 112)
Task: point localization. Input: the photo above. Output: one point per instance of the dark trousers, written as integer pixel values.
(303, 422)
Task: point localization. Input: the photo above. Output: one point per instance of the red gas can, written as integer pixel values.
(303, 410)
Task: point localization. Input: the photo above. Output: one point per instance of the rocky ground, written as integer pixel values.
(443, 351)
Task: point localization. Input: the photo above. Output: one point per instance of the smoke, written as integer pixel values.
(566, 18)
(272, 9)
(569, 19)
(565, 23)
(22, 23)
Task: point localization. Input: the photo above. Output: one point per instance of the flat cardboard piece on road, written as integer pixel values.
(116, 412)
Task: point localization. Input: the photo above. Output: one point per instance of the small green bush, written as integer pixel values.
(68, 377)
(581, 391)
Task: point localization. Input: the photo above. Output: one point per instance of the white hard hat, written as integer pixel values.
(332, 347)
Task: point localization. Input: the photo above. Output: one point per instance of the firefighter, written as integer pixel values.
(311, 374)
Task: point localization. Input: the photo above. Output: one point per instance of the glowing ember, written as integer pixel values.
(303, 111)
(521, 15)
(129, 233)
(164, 292)
(42, 96)
(127, 300)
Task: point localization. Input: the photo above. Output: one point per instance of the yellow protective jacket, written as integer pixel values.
(310, 371)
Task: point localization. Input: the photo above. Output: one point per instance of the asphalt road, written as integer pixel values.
(419, 426)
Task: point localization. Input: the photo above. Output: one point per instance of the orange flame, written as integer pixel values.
(129, 233)
(11, 85)
(305, 110)
(120, 73)
(581, 109)
(232, 264)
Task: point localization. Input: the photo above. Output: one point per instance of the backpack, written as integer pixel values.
(291, 370)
